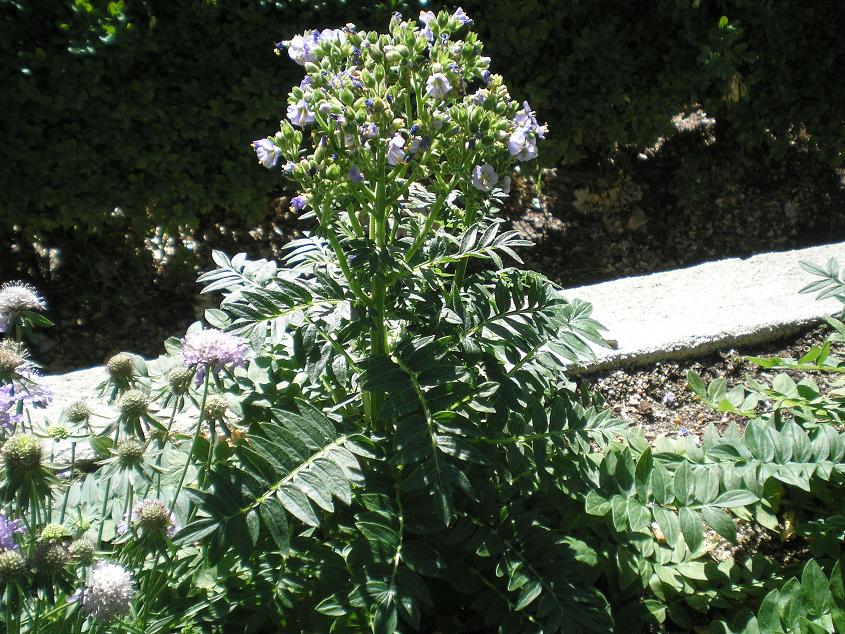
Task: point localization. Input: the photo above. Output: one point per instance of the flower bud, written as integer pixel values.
(134, 404)
(130, 453)
(58, 432)
(52, 533)
(179, 379)
(22, 452)
(121, 366)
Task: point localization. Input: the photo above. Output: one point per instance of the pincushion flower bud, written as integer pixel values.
(484, 177)
(110, 592)
(130, 453)
(121, 366)
(77, 412)
(438, 86)
(12, 566)
(52, 532)
(179, 379)
(268, 153)
(153, 517)
(22, 452)
(58, 432)
(134, 404)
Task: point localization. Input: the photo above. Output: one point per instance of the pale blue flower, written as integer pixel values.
(437, 86)
(299, 114)
(484, 177)
(355, 174)
(8, 530)
(301, 47)
(395, 153)
(526, 119)
(212, 349)
(298, 203)
(522, 145)
(332, 35)
(461, 16)
(368, 131)
(426, 18)
(268, 152)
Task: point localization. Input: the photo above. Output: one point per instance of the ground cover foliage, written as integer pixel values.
(380, 436)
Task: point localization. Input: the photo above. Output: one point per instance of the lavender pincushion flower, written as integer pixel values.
(8, 529)
(212, 349)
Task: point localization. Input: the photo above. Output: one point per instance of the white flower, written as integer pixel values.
(437, 86)
(484, 177)
(15, 299)
(332, 35)
(110, 592)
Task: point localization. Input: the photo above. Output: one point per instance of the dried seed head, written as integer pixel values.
(22, 452)
(134, 404)
(130, 453)
(121, 366)
(83, 551)
(77, 412)
(216, 407)
(10, 360)
(152, 516)
(12, 566)
(179, 379)
(50, 557)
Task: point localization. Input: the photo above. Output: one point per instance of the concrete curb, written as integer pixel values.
(694, 311)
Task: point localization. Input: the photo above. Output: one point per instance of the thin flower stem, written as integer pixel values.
(70, 482)
(193, 444)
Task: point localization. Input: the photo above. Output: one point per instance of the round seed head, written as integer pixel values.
(50, 557)
(53, 533)
(10, 360)
(152, 516)
(12, 566)
(83, 551)
(216, 407)
(134, 404)
(77, 412)
(22, 452)
(121, 366)
(130, 452)
(179, 379)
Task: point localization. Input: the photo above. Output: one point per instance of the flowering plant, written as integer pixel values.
(375, 435)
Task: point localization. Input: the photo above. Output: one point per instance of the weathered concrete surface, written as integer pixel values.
(677, 314)
(697, 310)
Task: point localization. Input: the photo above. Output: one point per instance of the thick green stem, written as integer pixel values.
(193, 444)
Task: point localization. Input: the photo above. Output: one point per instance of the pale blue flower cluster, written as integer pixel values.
(8, 530)
(522, 142)
(213, 349)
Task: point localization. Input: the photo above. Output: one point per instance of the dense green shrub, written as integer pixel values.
(103, 101)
